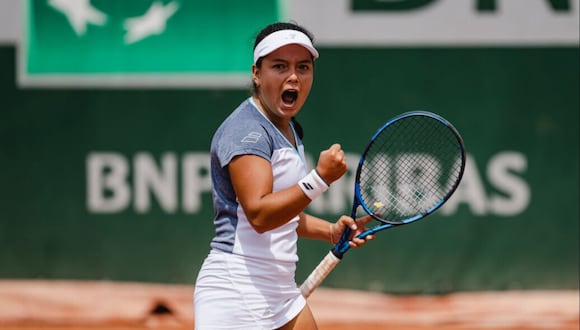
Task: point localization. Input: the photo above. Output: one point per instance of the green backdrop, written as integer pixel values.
(520, 101)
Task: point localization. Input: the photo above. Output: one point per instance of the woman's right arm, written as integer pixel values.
(252, 180)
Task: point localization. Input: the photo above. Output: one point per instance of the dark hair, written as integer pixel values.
(266, 31)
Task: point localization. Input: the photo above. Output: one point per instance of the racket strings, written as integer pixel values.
(409, 168)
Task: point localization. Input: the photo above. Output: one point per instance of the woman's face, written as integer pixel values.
(284, 81)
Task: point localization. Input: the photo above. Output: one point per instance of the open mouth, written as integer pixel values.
(289, 97)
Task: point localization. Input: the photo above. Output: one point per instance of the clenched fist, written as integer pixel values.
(331, 164)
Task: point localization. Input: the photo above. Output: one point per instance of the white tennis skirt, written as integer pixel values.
(235, 292)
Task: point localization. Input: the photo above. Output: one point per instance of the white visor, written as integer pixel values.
(282, 38)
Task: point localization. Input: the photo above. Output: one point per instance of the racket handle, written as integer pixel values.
(319, 274)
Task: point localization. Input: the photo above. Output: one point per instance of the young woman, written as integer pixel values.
(261, 187)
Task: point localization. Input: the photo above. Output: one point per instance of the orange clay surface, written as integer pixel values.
(75, 305)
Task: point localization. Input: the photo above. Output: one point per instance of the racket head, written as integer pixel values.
(410, 168)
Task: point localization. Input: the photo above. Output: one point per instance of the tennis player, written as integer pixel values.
(261, 186)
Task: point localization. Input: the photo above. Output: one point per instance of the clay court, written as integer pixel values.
(76, 305)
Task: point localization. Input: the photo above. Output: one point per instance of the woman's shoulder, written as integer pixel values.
(243, 119)
(244, 124)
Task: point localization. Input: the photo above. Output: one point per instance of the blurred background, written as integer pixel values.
(108, 108)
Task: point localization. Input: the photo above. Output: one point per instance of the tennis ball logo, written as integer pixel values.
(378, 205)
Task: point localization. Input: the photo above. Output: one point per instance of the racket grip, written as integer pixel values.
(319, 274)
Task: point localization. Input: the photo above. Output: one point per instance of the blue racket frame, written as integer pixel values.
(343, 244)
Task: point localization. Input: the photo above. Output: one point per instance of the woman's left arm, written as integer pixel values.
(312, 227)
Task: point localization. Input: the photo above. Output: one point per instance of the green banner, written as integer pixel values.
(143, 42)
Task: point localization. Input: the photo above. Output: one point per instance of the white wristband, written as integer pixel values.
(313, 185)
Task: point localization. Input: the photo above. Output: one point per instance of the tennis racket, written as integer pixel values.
(409, 169)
